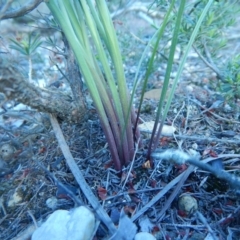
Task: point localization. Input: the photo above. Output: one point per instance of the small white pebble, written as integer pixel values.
(144, 236)
(188, 204)
(52, 202)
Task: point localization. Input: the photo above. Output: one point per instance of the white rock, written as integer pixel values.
(145, 224)
(81, 225)
(52, 203)
(16, 198)
(148, 128)
(77, 224)
(144, 236)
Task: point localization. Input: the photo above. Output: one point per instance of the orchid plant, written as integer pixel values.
(92, 37)
(89, 29)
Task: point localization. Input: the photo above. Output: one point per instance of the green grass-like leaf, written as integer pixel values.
(90, 32)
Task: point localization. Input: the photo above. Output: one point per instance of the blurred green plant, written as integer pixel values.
(221, 15)
(211, 38)
(230, 85)
(27, 46)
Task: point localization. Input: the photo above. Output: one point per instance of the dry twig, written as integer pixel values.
(80, 178)
(15, 87)
(26, 8)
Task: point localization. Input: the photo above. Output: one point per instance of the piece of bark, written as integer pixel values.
(74, 76)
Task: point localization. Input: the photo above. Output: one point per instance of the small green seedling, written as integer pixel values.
(27, 47)
(230, 86)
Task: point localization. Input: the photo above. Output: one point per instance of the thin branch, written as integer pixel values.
(33, 218)
(204, 221)
(210, 65)
(137, 6)
(102, 215)
(228, 120)
(208, 139)
(180, 157)
(131, 166)
(5, 7)
(28, 7)
(233, 180)
(175, 192)
(121, 11)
